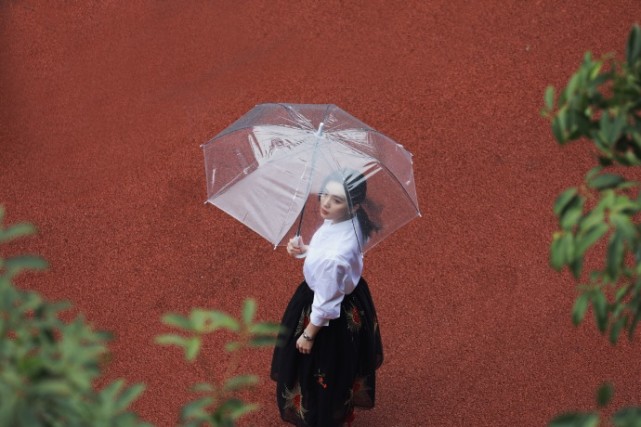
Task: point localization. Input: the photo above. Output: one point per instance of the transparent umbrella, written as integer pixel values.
(268, 168)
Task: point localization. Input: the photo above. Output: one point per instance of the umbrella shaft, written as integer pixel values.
(302, 212)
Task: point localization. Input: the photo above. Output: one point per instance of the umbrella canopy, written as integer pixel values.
(268, 168)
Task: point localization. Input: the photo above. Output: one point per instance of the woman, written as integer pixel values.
(326, 361)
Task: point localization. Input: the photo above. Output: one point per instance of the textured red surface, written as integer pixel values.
(104, 105)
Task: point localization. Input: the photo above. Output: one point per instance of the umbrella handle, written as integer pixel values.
(298, 241)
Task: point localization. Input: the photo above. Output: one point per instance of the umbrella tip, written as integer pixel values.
(320, 129)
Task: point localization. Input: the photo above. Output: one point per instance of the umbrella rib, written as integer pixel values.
(233, 181)
(407, 195)
(309, 186)
(290, 110)
(339, 141)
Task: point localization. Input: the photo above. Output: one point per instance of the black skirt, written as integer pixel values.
(323, 388)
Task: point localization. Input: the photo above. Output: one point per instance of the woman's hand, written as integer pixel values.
(295, 247)
(303, 345)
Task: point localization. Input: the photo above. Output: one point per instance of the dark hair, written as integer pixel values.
(355, 186)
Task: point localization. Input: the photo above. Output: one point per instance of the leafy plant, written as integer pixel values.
(219, 404)
(602, 104)
(47, 366)
(626, 417)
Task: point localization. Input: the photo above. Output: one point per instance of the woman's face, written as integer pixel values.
(333, 202)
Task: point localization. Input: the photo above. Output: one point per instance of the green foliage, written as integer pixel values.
(575, 419)
(626, 417)
(602, 104)
(218, 403)
(47, 366)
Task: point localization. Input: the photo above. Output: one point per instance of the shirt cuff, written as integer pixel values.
(318, 320)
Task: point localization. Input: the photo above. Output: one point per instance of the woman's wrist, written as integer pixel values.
(307, 337)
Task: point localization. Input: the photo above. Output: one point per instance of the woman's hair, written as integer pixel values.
(355, 186)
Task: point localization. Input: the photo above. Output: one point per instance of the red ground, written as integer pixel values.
(105, 104)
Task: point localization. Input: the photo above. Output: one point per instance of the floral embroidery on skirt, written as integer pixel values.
(323, 388)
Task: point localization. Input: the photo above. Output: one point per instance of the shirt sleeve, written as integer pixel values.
(329, 290)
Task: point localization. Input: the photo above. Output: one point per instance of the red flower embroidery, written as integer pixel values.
(320, 378)
(359, 386)
(294, 401)
(356, 316)
(354, 319)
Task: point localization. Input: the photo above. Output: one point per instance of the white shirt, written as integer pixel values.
(333, 267)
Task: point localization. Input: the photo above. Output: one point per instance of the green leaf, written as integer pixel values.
(16, 231)
(249, 310)
(576, 266)
(575, 419)
(618, 125)
(192, 348)
(564, 199)
(623, 204)
(607, 200)
(15, 265)
(606, 181)
(235, 408)
(171, 339)
(262, 341)
(177, 320)
(52, 388)
(265, 328)
(579, 309)
(590, 219)
(590, 237)
(557, 130)
(605, 130)
(109, 393)
(624, 225)
(600, 305)
(592, 173)
(240, 382)
(615, 255)
(604, 394)
(557, 253)
(203, 388)
(202, 321)
(572, 213)
(224, 320)
(233, 346)
(573, 83)
(621, 292)
(128, 396)
(615, 331)
(562, 250)
(633, 47)
(627, 417)
(549, 98)
(243, 410)
(196, 409)
(568, 247)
